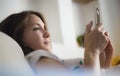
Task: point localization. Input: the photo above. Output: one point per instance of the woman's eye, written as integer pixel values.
(37, 28)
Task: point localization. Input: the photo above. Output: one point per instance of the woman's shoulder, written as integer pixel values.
(34, 56)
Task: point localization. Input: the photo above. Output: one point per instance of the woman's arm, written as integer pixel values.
(46, 62)
(95, 42)
(49, 67)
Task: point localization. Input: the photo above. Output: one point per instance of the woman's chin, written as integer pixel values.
(48, 48)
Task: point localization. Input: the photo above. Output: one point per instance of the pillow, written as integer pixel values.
(12, 60)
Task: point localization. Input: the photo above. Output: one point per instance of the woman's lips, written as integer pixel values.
(46, 43)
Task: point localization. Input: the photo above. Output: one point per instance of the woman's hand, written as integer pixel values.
(106, 55)
(95, 42)
(95, 39)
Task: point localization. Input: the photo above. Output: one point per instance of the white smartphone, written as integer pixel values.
(97, 16)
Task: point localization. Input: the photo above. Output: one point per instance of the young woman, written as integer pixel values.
(29, 29)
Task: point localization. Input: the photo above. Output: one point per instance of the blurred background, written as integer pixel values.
(67, 19)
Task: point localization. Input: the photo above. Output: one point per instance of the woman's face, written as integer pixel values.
(35, 36)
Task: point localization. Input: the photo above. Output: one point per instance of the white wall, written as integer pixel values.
(11, 6)
(78, 19)
(67, 23)
(111, 19)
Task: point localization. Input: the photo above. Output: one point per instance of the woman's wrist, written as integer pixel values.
(93, 51)
(91, 62)
(91, 58)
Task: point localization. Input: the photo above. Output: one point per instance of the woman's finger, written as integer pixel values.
(106, 34)
(88, 27)
(100, 27)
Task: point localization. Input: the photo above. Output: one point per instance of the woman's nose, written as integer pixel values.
(46, 34)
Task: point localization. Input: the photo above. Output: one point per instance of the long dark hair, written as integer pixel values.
(14, 26)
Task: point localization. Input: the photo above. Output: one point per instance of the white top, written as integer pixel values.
(34, 56)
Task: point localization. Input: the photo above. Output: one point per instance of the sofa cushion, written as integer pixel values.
(12, 60)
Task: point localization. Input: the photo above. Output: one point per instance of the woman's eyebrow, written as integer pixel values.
(37, 24)
(41, 25)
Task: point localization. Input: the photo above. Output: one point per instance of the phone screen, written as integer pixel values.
(97, 16)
